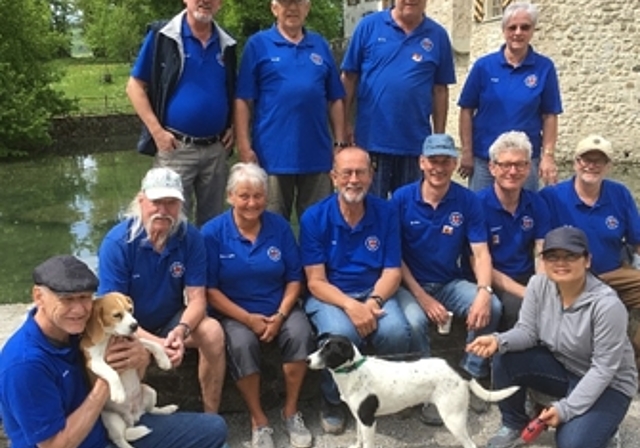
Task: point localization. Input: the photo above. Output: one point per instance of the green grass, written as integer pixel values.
(84, 82)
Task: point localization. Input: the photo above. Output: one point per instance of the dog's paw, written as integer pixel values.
(163, 362)
(118, 394)
(164, 410)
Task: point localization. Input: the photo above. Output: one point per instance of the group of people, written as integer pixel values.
(389, 244)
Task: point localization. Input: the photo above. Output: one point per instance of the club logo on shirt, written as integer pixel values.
(612, 222)
(456, 219)
(426, 44)
(417, 57)
(274, 253)
(176, 269)
(316, 58)
(220, 59)
(531, 81)
(527, 223)
(372, 243)
(447, 230)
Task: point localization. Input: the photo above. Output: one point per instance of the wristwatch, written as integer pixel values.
(487, 288)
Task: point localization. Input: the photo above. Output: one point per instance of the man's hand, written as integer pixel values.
(165, 141)
(257, 323)
(126, 353)
(364, 316)
(435, 311)
(548, 171)
(228, 138)
(465, 170)
(480, 311)
(247, 154)
(274, 323)
(174, 345)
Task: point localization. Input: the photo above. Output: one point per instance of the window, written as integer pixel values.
(352, 2)
(494, 8)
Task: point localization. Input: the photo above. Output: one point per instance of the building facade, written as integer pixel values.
(595, 45)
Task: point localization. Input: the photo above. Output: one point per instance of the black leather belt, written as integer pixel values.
(197, 141)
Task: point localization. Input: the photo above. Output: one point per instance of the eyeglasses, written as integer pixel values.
(554, 257)
(347, 174)
(524, 27)
(595, 161)
(519, 166)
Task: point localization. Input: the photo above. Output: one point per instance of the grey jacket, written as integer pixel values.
(589, 339)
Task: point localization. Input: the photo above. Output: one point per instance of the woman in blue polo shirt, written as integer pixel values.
(253, 283)
(513, 89)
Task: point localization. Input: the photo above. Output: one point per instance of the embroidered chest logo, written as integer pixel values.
(220, 59)
(426, 44)
(274, 253)
(531, 81)
(176, 269)
(316, 58)
(372, 243)
(456, 219)
(527, 223)
(612, 222)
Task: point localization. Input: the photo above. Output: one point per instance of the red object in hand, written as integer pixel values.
(533, 430)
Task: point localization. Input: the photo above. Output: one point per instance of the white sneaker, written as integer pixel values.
(261, 438)
(299, 435)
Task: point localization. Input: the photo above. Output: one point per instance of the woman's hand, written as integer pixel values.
(483, 346)
(257, 323)
(274, 323)
(550, 416)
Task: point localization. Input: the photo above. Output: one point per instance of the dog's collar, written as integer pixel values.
(351, 367)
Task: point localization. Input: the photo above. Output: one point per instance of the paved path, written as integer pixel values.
(393, 431)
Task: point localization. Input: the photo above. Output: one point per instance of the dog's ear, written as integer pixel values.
(94, 331)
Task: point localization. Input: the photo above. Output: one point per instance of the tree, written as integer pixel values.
(242, 18)
(27, 102)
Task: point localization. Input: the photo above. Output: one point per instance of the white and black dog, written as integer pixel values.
(372, 387)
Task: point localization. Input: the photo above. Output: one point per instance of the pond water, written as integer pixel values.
(66, 204)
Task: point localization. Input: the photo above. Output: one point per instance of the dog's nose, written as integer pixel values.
(308, 361)
(133, 326)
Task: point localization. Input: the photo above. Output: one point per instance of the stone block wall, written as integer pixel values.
(594, 44)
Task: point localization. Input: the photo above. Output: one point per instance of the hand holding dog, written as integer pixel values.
(126, 353)
(484, 346)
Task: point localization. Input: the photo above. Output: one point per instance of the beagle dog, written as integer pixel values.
(111, 315)
(372, 387)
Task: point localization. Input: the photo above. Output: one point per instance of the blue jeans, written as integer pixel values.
(456, 296)
(392, 172)
(183, 430)
(393, 335)
(538, 369)
(482, 178)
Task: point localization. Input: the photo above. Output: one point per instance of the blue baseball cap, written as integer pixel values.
(439, 145)
(566, 238)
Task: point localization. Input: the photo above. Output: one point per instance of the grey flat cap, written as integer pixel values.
(65, 274)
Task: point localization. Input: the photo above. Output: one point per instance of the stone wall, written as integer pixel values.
(594, 44)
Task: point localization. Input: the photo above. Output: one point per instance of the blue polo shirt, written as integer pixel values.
(397, 73)
(612, 221)
(290, 86)
(252, 275)
(41, 384)
(512, 238)
(434, 239)
(198, 105)
(353, 257)
(155, 281)
(507, 98)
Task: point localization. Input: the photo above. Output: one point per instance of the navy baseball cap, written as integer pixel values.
(439, 145)
(65, 274)
(566, 238)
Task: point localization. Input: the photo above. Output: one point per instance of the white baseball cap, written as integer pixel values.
(162, 183)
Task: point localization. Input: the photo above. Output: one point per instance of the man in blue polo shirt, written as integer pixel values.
(44, 394)
(159, 260)
(182, 88)
(607, 213)
(397, 68)
(350, 246)
(517, 221)
(289, 92)
(514, 88)
(438, 219)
